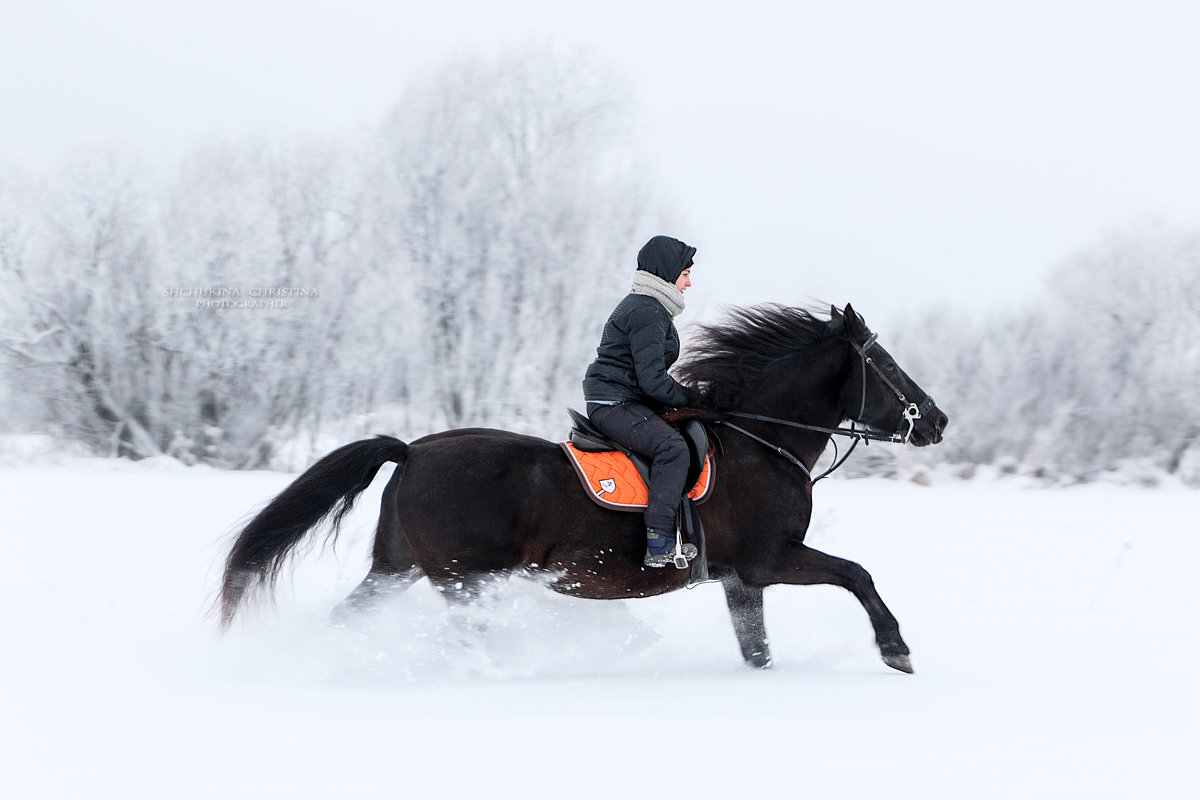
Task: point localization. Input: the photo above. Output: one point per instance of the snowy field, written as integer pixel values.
(1052, 633)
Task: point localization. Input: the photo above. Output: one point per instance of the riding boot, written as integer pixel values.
(661, 550)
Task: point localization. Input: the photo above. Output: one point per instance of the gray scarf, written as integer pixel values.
(660, 290)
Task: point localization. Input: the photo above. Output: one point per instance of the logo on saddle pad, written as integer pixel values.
(612, 480)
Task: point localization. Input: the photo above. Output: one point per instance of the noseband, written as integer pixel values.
(909, 413)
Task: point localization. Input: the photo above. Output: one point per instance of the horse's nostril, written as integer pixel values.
(941, 422)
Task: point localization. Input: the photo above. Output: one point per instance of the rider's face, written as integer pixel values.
(684, 280)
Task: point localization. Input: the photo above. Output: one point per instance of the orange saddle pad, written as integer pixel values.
(612, 480)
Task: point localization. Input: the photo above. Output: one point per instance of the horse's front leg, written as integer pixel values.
(746, 610)
(806, 566)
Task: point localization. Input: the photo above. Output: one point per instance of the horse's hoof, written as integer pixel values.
(901, 663)
(759, 660)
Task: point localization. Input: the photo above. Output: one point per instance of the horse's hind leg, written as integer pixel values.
(393, 566)
(807, 567)
(379, 585)
(467, 598)
(746, 609)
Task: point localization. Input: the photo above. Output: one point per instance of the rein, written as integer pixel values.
(857, 435)
(910, 413)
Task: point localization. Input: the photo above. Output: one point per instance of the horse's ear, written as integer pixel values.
(854, 323)
(834, 314)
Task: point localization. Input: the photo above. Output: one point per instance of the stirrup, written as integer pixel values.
(679, 556)
(679, 559)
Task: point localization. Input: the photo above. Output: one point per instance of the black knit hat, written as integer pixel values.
(665, 257)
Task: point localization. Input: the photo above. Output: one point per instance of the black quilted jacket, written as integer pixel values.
(637, 347)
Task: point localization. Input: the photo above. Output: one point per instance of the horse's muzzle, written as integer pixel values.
(930, 428)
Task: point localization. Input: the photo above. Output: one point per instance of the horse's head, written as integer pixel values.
(879, 394)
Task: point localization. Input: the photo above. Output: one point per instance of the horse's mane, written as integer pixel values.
(726, 358)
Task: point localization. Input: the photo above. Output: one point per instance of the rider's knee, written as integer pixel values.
(671, 448)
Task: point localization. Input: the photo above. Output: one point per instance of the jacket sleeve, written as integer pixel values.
(647, 337)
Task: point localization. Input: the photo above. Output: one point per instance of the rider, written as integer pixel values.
(628, 385)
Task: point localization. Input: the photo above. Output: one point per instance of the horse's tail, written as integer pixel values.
(329, 487)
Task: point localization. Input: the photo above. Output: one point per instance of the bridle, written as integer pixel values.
(909, 413)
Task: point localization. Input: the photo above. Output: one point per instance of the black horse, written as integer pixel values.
(465, 505)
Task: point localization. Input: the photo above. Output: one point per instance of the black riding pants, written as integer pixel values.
(641, 430)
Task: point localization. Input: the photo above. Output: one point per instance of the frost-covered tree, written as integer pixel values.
(455, 254)
(264, 221)
(80, 330)
(1134, 303)
(117, 331)
(1105, 367)
(512, 199)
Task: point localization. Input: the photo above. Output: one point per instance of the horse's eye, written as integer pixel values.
(890, 368)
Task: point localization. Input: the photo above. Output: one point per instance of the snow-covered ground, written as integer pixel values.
(1052, 633)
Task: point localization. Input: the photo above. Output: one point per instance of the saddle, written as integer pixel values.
(616, 477)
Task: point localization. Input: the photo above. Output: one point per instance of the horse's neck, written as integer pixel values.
(808, 393)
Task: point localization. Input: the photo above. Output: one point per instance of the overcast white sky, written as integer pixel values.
(892, 154)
